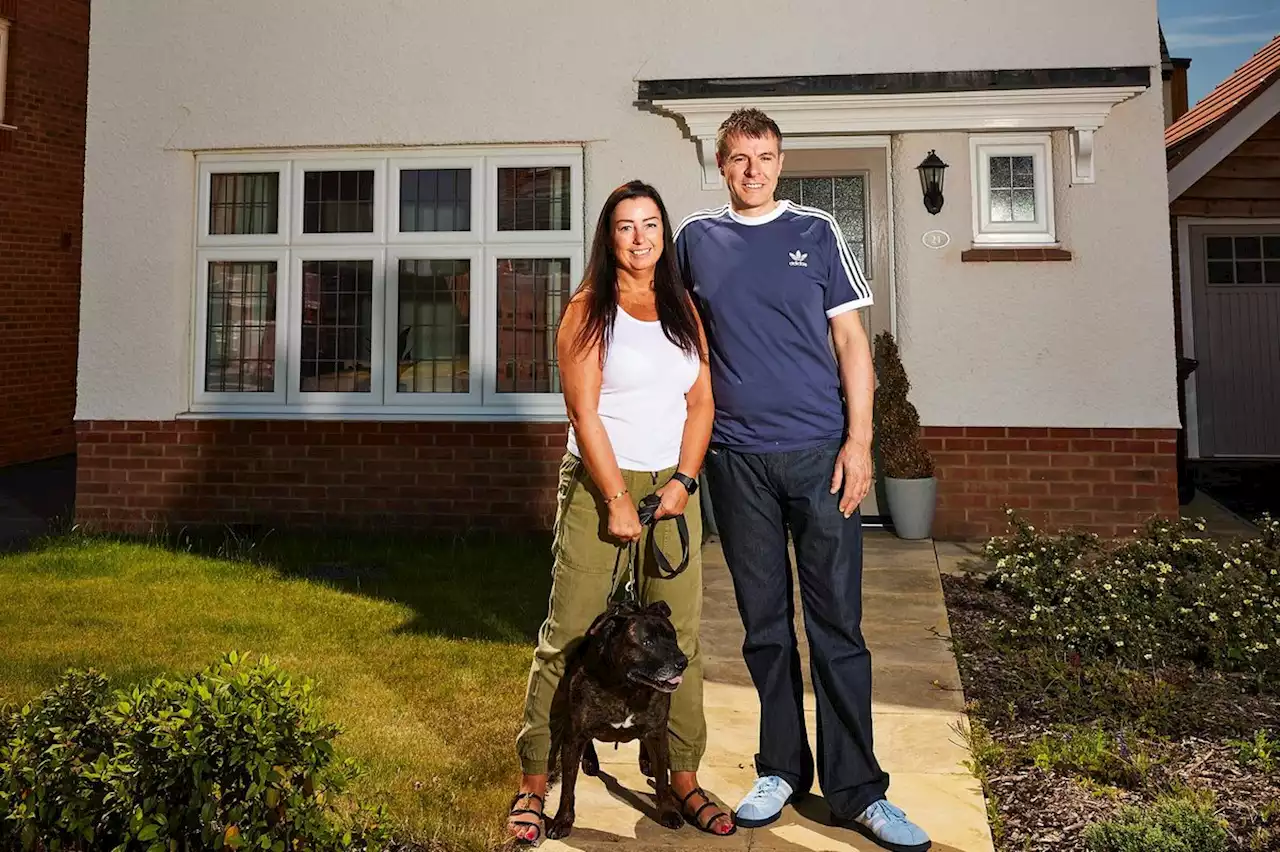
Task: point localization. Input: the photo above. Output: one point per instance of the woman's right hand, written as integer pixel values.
(624, 520)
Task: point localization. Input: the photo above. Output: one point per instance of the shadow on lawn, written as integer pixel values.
(483, 586)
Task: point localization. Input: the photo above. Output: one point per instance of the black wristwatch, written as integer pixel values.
(690, 485)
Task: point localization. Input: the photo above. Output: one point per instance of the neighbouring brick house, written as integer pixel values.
(1224, 217)
(44, 54)
(325, 253)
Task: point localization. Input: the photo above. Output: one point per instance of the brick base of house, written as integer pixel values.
(144, 476)
(1107, 481)
(135, 476)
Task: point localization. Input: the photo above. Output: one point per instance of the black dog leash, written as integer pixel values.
(646, 510)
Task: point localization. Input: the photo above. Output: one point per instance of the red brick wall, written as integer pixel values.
(41, 192)
(135, 476)
(138, 476)
(1107, 481)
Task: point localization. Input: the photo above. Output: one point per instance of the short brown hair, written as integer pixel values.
(749, 122)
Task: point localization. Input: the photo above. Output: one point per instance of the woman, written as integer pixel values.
(638, 392)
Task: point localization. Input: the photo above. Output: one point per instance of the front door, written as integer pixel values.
(1235, 294)
(852, 184)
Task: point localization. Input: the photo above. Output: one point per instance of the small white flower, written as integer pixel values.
(1213, 616)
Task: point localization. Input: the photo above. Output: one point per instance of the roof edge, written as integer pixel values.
(915, 82)
(1182, 146)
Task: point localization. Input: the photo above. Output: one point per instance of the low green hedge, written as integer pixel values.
(1172, 824)
(235, 757)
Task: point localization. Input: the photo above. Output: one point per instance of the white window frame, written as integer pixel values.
(483, 245)
(473, 396)
(215, 255)
(211, 167)
(574, 234)
(4, 69)
(1043, 231)
(375, 237)
(474, 234)
(336, 399)
(493, 254)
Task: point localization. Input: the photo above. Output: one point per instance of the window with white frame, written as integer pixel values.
(417, 284)
(1012, 189)
(4, 65)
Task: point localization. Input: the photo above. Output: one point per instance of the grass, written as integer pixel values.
(420, 648)
(988, 756)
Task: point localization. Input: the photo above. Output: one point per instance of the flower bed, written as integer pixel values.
(1125, 695)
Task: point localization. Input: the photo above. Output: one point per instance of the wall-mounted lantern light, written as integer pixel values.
(931, 170)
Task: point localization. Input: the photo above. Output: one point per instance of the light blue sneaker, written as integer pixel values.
(763, 804)
(888, 826)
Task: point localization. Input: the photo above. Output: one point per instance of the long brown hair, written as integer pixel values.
(675, 309)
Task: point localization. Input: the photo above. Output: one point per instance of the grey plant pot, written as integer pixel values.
(911, 505)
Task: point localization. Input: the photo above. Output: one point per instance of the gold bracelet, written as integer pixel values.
(615, 497)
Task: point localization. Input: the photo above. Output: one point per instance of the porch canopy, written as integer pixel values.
(1077, 100)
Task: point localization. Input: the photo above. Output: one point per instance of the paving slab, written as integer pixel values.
(917, 707)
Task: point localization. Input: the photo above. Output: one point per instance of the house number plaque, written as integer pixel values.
(936, 239)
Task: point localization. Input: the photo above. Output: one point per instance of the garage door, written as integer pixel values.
(1235, 289)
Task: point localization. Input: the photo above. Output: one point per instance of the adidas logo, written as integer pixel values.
(798, 258)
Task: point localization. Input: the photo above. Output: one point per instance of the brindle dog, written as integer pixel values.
(617, 689)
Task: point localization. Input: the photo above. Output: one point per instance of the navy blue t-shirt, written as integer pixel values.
(766, 287)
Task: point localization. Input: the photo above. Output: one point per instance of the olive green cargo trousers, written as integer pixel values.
(584, 556)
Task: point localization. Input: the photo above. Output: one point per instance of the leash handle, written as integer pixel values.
(664, 565)
(647, 510)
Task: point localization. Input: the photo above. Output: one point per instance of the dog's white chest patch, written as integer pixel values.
(625, 723)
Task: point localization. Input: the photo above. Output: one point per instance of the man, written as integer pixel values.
(790, 450)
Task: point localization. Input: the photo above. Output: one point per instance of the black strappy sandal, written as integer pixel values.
(696, 819)
(540, 825)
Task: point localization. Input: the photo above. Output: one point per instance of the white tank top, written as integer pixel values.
(642, 392)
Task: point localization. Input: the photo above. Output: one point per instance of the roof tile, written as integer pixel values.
(1229, 97)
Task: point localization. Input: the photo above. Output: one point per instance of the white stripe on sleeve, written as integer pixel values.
(857, 281)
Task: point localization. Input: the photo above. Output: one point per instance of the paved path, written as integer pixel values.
(916, 704)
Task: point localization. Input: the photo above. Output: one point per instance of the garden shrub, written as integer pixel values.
(1092, 753)
(1172, 824)
(235, 757)
(1169, 594)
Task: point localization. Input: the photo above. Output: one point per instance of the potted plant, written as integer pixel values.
(910, 485)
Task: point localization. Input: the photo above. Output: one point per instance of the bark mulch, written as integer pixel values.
(1161, 731)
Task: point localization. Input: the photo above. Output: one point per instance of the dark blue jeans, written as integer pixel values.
(758, 499)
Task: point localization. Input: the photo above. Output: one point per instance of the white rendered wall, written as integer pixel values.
(986, 344)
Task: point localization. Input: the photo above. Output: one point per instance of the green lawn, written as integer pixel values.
(419, 647)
